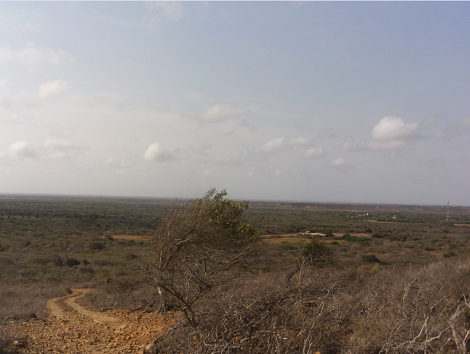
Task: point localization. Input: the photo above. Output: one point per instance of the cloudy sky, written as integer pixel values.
(323, 102)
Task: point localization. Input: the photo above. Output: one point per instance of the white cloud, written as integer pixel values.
(391, 133)
(300, 142)
(218, 113)
(314, 152)
(53, 88)
(280, 144)
(393, 128)
(31, 55)
(22, 149)
(52, 149)
(157, 154)
(273, 145)
(340, 165)
(337, 162)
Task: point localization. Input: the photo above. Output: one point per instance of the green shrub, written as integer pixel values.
(97, 246)
(265, 268)
(450, 254)
(350, 238)
(71, 262)
(371, 258)
(130, 256)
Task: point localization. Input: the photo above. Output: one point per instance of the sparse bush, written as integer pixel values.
(105, 262)
(71, 262)
(97, 246)
(122, 286)
(370, 258)
(378, 235)
(57, 260)
(130, 256)
(350, 238)
(265, 268)
(449, 254)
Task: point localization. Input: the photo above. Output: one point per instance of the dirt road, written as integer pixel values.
(70, 328)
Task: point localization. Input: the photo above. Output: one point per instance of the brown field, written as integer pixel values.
(301, 237)
(468, 225)
(282, 238)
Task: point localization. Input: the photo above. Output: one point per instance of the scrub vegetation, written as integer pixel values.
(325, 278)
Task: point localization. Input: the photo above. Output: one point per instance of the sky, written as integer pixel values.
(355, 102)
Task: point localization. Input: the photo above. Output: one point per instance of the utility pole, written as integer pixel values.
(448, 211)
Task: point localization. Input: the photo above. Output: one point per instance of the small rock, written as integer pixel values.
(19, 344)
(120, 328)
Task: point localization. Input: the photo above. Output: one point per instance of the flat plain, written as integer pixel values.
(50, 245)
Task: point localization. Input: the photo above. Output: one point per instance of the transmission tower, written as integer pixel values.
(448, 211)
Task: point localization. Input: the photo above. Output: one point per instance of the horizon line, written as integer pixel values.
(283, 201)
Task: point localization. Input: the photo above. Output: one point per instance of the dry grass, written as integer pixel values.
(368, 310)
(131, 237)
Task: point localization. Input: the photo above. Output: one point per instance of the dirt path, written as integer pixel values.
(56, 308)
(70, 328)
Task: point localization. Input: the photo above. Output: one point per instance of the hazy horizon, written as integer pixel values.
(328, 102)
(79, 196)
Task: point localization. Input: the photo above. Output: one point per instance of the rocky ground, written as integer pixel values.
(70, 328)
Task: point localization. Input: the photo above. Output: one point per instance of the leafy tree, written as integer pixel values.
(194, 248)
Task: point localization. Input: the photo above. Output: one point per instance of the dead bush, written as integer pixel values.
(368, 310)
(144, 297)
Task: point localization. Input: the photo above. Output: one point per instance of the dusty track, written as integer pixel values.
(70, 328)
(59, 306)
